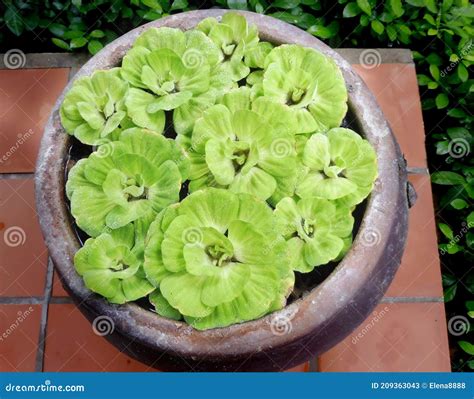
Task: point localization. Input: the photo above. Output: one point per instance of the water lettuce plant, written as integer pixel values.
(338, 165)
(112, 265)
(235, 39)
(94, 108)
(217, 172)
(139, 174)
(309, 83)
(217, 258)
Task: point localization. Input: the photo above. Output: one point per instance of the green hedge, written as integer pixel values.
(440, 33)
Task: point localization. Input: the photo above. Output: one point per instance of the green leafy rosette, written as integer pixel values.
(218, 259)
(94, 109)
(171, 70)
(236, 41)
(240, 149)
(307, 82)
(340, 166)
(126, 180)
(317, 231)
(112, 265)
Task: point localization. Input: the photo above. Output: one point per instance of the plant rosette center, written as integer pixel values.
(239, 151)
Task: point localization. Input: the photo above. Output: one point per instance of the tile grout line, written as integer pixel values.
(21, 300)
(414, 170)
(48, 289)
(420, 299)
(17, 175)
(313, 365)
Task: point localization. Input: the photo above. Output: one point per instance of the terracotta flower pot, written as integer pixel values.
(308, 326)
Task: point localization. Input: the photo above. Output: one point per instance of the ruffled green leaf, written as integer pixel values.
(339, 165)
(218, 258)
(94, 106)
(162, 306)
(316, 230)
(112, 267)
(138, 175)
(309, 83)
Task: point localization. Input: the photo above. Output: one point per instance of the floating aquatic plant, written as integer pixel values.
(309, 83)
(241, 151)
(126, 180)
(236, 40)
(339, 165)
(112, 265)
(316, 230)
(217, 259)
(258, 181)
(172, 70)
(94, 109)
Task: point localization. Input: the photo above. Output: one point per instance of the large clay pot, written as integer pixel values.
(305, 328)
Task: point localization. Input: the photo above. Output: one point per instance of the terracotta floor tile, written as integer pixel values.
(19, 334)
(71, 345)
(23, 255)
(396, 90)
(419, 274)
(58, 289)
(401, 337)
(26, 99)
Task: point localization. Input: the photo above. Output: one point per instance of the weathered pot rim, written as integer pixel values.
(310, 313)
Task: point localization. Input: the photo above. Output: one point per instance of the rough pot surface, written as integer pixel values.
(307, 327)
